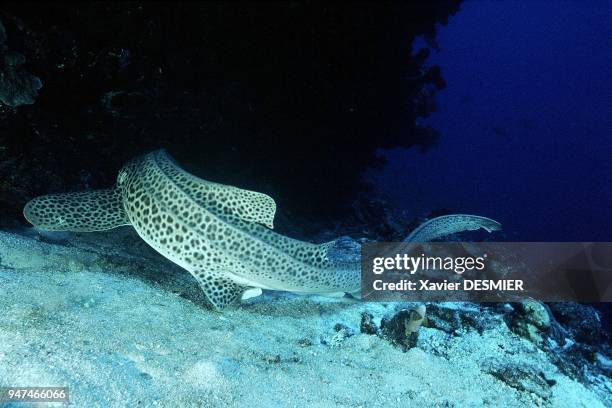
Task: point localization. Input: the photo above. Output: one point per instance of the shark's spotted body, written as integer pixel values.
(212, 230)
(221, 234)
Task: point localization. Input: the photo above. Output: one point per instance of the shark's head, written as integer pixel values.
(44, 213)
(80, 212)
(128, 170)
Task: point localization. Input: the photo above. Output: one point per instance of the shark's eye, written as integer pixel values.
(121, 177)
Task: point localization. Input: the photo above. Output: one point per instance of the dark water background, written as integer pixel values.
(292, 99)
(525, 122)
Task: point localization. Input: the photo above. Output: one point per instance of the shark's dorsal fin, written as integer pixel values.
(221, 199)
(247, 205)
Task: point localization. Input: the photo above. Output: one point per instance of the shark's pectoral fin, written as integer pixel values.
(219, 290)
(222, 291)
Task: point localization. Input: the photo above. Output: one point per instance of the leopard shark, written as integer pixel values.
(222, 235)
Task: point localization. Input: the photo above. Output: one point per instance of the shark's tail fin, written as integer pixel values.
(86, 211)
(449, 224)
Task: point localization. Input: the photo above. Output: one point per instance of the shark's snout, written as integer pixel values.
(96, 210)
(39, 212)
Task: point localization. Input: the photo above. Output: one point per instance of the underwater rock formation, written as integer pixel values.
(531, 320)
(402, 329)
(367, 325)
(582, 321)
(272, 98)
(17, 86)
(457, 318)
(523, 378)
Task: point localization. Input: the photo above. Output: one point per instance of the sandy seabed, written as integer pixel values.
(121, 326)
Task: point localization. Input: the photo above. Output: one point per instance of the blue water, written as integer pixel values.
(525, 123)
